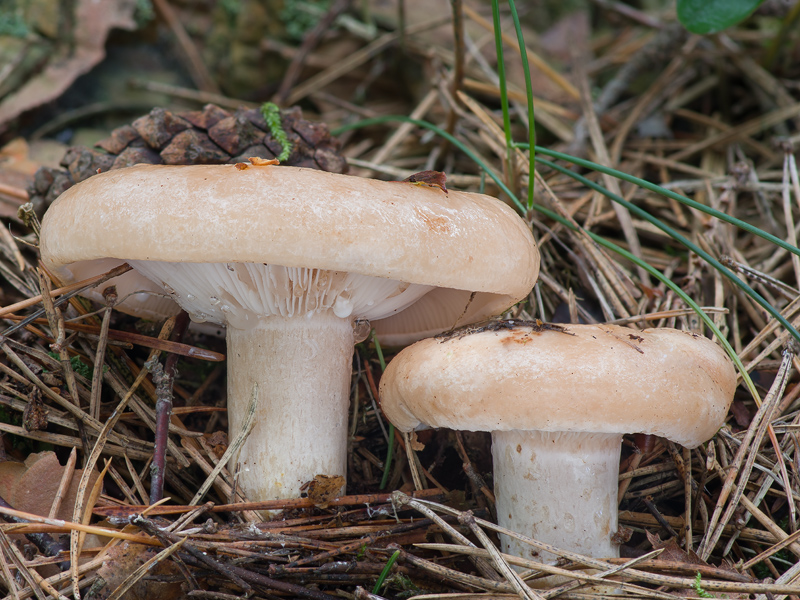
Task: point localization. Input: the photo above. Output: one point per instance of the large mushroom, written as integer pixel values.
(557, 401)
(290, 260)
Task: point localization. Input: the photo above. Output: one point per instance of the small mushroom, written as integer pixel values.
(557, 401)
(291, 260)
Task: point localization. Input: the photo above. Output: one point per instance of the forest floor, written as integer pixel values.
(713, 119)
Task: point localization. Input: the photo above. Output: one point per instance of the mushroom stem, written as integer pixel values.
(302, 366)
(559, 488)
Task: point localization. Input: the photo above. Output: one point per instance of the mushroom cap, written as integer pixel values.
(586, 378)
(296, 217)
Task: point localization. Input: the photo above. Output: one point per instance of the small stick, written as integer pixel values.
(166, 538)
(771, 550)
(136, 339)
(400, 499)
(687, 491)
(56, 321)
(163, 379)
(760, 425)
(648, 502)
(223, 487)
(189, 517)
(310, 41)
(18, 516)
(349, 547)
(110, 295)
(73, 289)
(474, 477)
(137, 481)
(644, 576)
(451, 575)
(13, 192)
(95, 455)
(46, 544)
(281, 504)
(66, 479)
(19, 562)
(524, 592)
(197, 68)
(9, 580)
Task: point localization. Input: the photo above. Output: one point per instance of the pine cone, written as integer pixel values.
(209, 136)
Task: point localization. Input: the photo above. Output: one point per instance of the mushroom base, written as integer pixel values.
(559, 488)
(302, 367)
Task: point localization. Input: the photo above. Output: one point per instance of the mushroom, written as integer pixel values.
(557, 401)
(291, 260)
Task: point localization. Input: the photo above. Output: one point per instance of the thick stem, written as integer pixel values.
(558, 488)
(302, 366)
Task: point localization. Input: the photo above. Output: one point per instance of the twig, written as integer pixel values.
(72, 526)
(519, 586)
(110, 295)
(356, 59)
(163, 379)
(310, 41)
(66, 479)
(282, 504)
(197, 68)
(399, 499)
(19, 562)
(678, 582)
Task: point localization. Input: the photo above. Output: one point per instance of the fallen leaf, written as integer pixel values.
(741, 414)
(122, 560)
(323, 488)
(37, 483)
(72, 56)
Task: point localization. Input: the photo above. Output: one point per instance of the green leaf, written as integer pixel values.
(711, 16)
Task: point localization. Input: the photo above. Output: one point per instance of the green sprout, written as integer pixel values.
(385, 571)
(698, 587)
(272, 116)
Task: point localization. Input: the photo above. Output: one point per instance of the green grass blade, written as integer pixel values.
(385, 573)
(387, 464)
(677, 236)
(669, 194)
(523, 53)
(501, 74)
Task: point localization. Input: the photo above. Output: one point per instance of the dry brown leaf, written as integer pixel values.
(218, 442)
(37, 483)
(323, 488)
(672, 552)
(74, 56)
(741, 414)
(122, 560)
(10, 474)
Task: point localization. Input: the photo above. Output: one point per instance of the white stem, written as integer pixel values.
(558, 488)
(302, 366)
